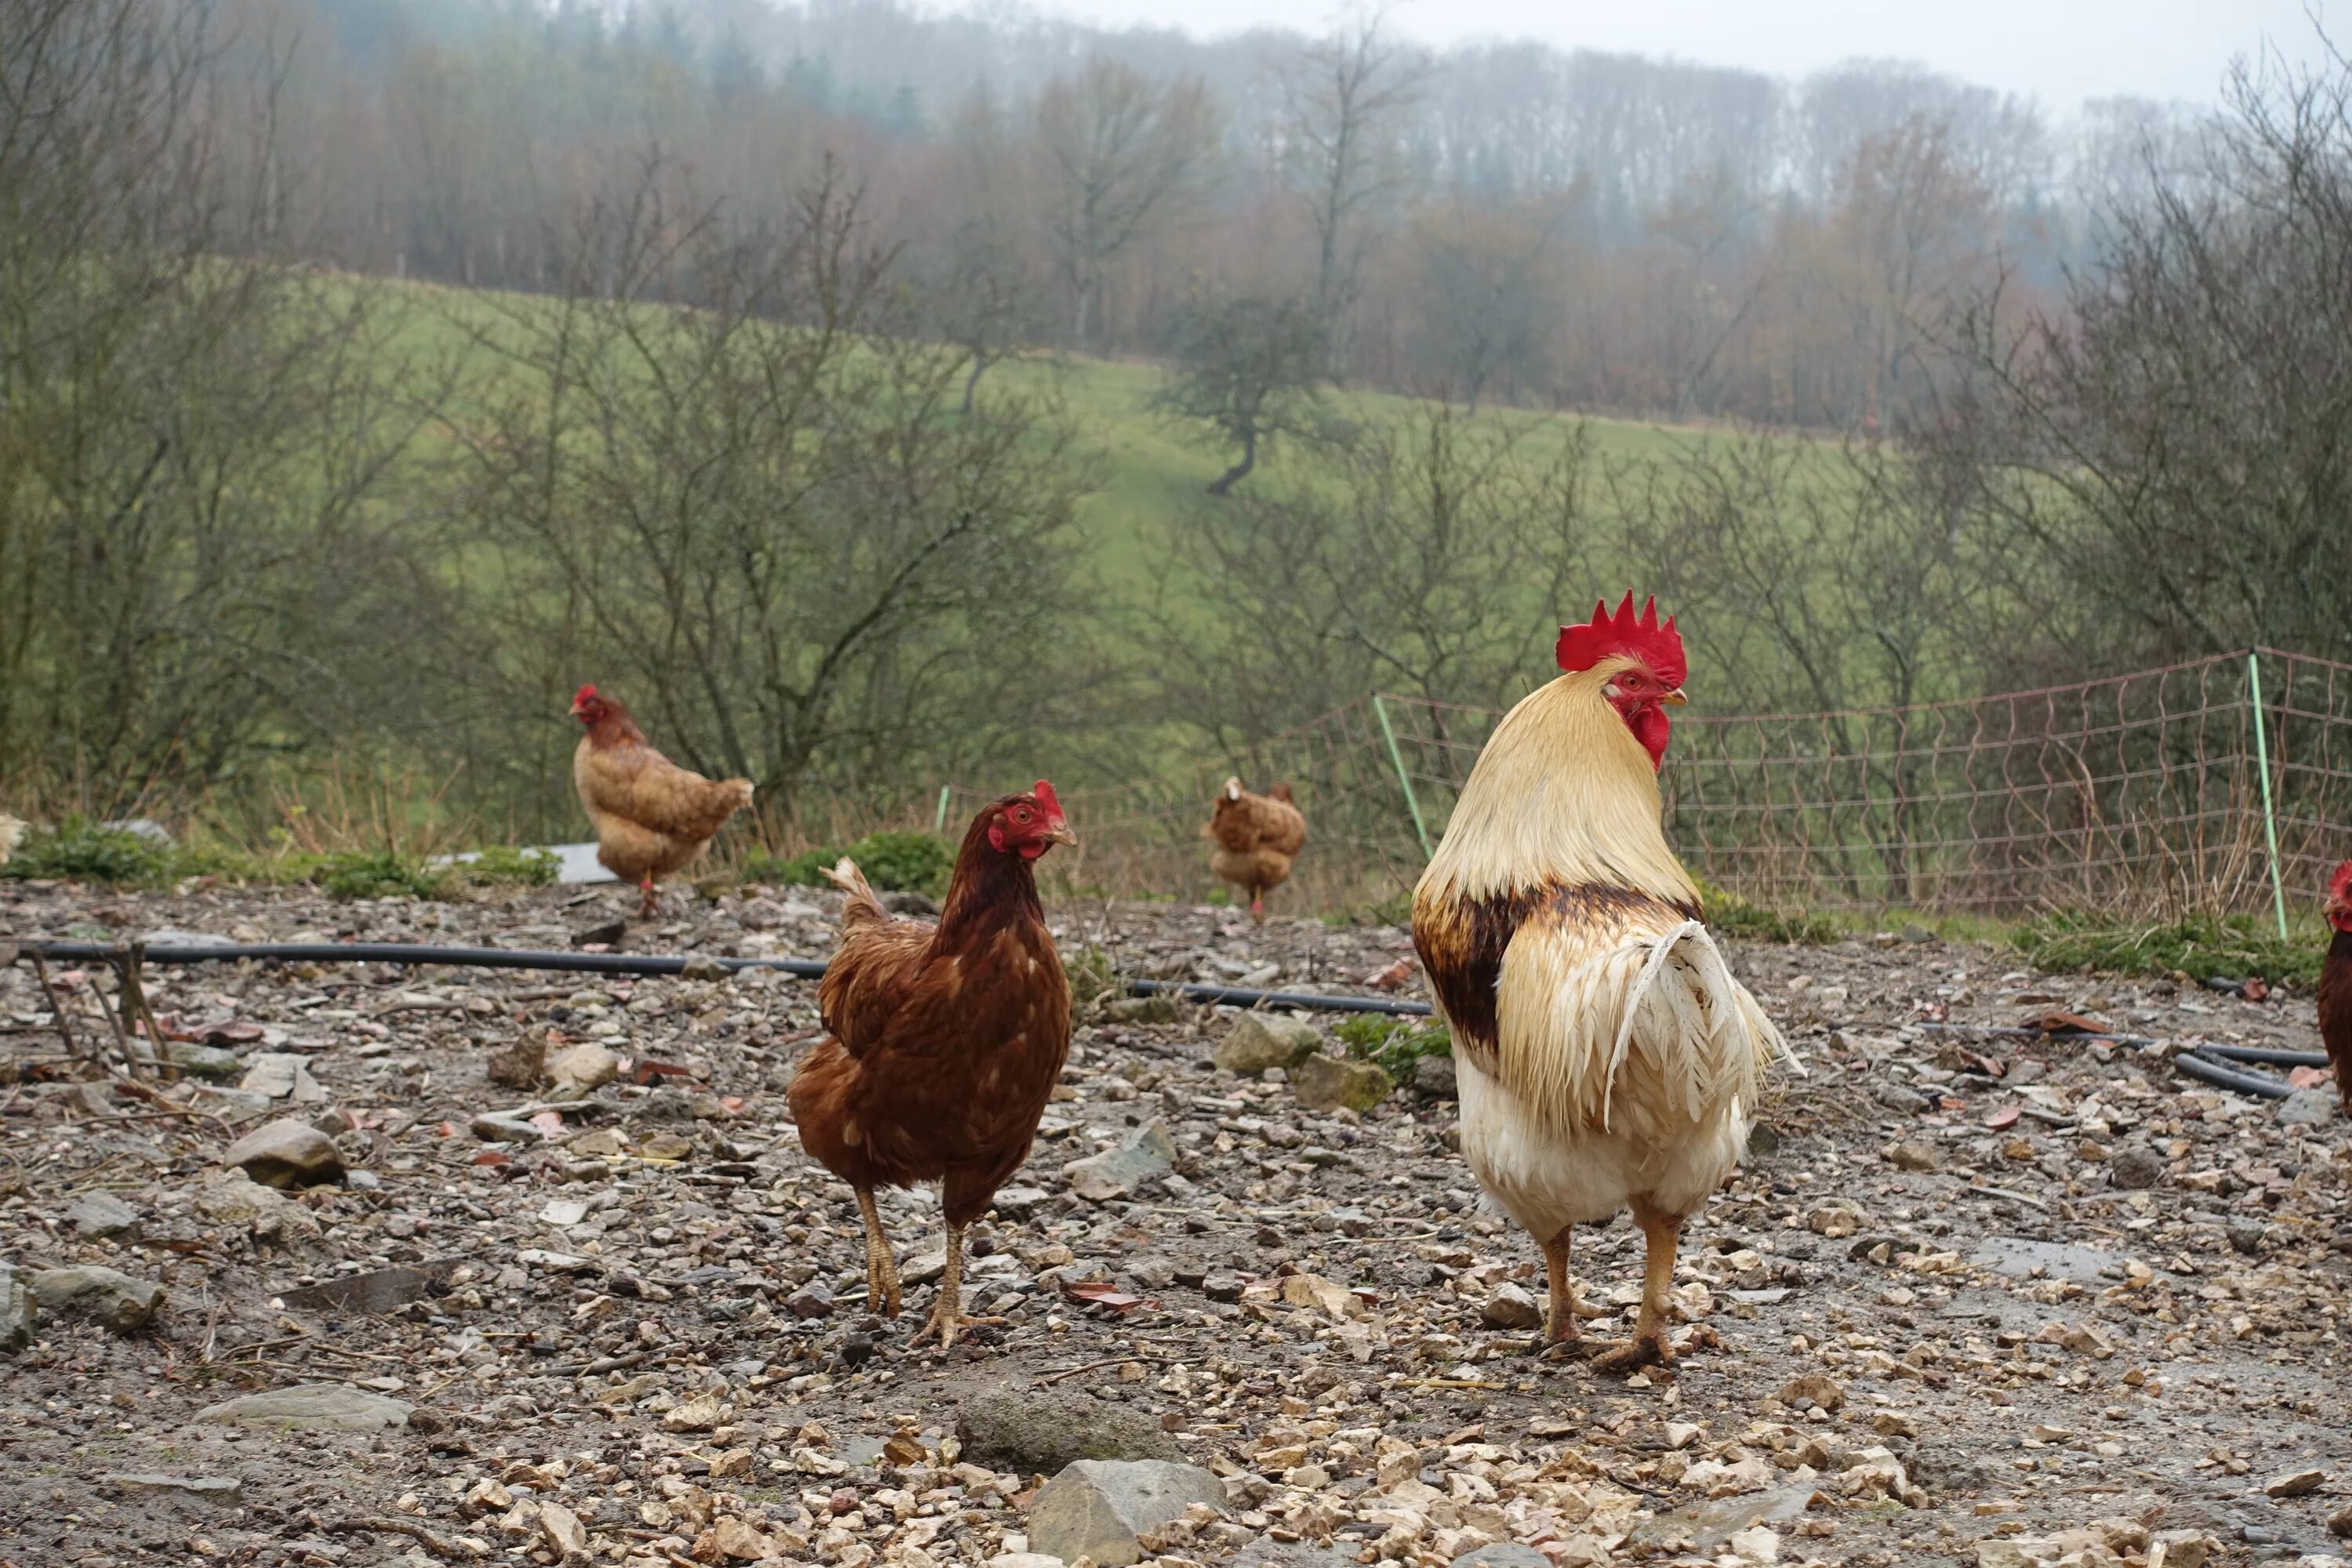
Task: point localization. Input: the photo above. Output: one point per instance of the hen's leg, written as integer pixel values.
(1649, 1348)
(650, 905)
(1258, 906)
(881, 1270)
(948, 1316)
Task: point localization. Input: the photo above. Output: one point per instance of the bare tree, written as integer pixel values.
(1251, 371)
(1120, 154)
(1346, 99)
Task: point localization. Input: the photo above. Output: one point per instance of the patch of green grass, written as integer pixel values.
(77, 850)
(2200, 946)
(1394, 1044)
(1729, 914)
(893, 863)
(504, 866)
(1092, 974)
(378, 874)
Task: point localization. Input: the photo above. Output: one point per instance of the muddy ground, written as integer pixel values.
(1943, 1316)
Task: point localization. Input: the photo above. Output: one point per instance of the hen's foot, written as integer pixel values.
(1649, 1350)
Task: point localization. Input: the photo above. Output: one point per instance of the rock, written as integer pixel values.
(1018, 1202)
(18, 1311)
(123, 1304)
(1325, 1083)
(810, 1301)
(1511, 1308)
(1330, 1297)
(1900, 1097)
(699, 1414)
(523, 1065)
(1018, 1430)
(1262, 1041)
(493, 1127)
(1024, 1560)
(585, 1067)
(1117, 1171)
(2018, 1551)
(310, 1406)
(1755, 1544)
(2307, 1108)
(608, 933)
(562, 1526)
(2295, 1483)
(286, 1153)
(1811, 1389)
(102, 1214)
(732, 1536)
(282, 1074)
(1708, 1525)
(702, 966)
(214, 1064)
(1435, 1077)
(760, 914)
(1911, 1156)
(1502, 1555)
(1154, 1009)
(2339, 1523)
(1099, 1508)
(378, 1291)
(221, 1491)
(2135, 1169)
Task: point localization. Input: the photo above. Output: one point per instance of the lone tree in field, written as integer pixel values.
(1251, 371)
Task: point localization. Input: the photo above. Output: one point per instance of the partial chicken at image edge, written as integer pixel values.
(652, 818)
(2336, 982)
(1607, 1058)
(1257, 838)
(943, 1042)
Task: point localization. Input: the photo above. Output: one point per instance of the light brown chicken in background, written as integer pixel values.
(652, 816)
(1257, 838)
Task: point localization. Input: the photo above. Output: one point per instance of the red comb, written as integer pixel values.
(2339, 886)
(586, 692)
(1044, 793)
(1659, 647)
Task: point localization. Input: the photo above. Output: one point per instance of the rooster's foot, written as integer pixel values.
(945, 1324)
(1649, 1350)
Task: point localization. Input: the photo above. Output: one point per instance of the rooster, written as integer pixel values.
(1606, 1057)
(944, 1041)
(651, 815)
(2336, 982)
(1257, 838)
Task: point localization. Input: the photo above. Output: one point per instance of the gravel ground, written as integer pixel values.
(1973, 1291)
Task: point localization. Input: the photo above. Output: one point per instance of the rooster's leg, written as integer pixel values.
(1562, 1328)
(881, 1270)
(1664, 1233)
(948, 1316)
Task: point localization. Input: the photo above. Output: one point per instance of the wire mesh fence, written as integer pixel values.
(2139, 793)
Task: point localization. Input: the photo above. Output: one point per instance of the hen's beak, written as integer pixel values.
(1060, 834)
(1675, 699)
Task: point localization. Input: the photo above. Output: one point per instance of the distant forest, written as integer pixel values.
(1504, 222)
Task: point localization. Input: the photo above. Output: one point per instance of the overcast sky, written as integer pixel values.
(2061, 51)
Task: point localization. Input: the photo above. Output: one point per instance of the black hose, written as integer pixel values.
(2212, 1072)
(2269, 1056)
(640, 964)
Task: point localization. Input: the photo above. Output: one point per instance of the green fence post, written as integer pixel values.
(1411, 802)
(2262, 760)
(939, 817)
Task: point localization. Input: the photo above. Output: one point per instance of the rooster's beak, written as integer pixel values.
(1675, 699)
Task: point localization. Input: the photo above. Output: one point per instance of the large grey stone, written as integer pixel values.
(1707, 1525)
(282, 1074)
(378, 1291)
(1327, 1083)
(1502, 1555)
(2307, 1108)
(18, 1311)
(1038, 1435)
(1117, 1171)
(102, 1214)
(286, 1153)
(1436, 1078)
(310, 1407)
(2135, 1169)
(1100, 1507)
(221, 1491)
(114, 1298)
(216, 1064)
(582, 1068)
(1262, 1040)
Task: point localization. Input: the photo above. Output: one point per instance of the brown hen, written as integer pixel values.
(944, 1041)
(1257, 838)
(651, 815)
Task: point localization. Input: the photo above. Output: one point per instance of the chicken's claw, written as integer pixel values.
(946, 1323)
(1647, 1350)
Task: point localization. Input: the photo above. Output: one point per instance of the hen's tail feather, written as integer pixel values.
(862, 905)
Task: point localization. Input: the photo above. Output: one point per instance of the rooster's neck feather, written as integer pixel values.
(1562, 793)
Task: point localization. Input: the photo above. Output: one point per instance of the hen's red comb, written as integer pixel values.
(1044, 793)
(1659, 647)
(585, 693)
(2339, 886)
